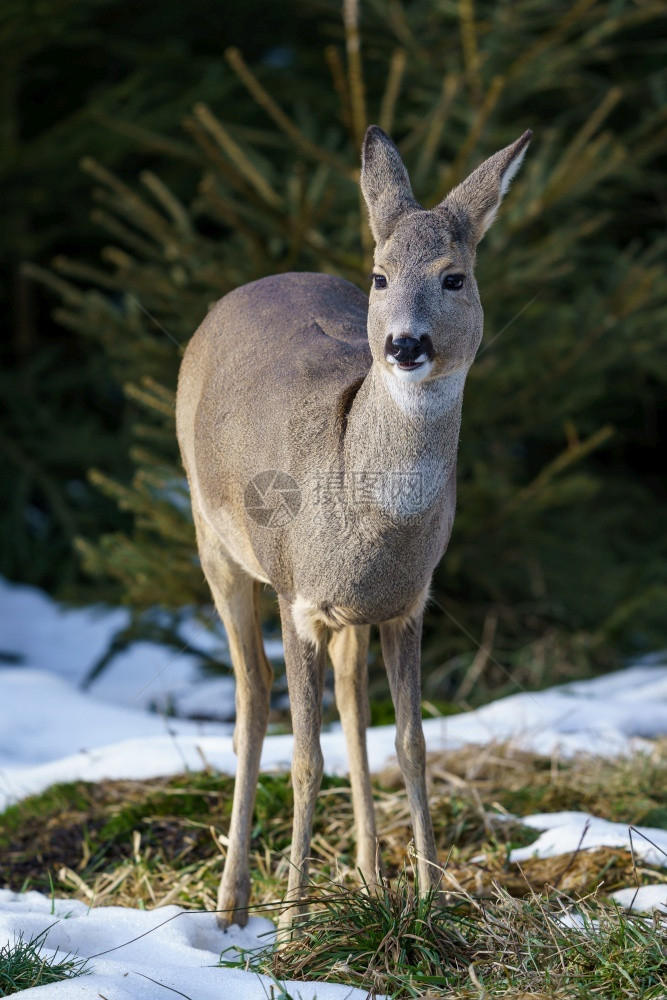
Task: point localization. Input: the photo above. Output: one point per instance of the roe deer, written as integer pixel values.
(319, 431)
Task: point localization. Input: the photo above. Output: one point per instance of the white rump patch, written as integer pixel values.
(307, 621)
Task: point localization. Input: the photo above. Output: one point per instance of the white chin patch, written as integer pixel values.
(438, 396)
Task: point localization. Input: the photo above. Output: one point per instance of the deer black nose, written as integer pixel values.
(405, 348)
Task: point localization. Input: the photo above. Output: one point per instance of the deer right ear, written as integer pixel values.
(385, 184)
(480, 194)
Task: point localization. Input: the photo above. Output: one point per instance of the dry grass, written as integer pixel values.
(162, 841)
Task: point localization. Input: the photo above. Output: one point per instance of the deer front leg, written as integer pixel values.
(304, 664)
(401, 649)
(348, 650)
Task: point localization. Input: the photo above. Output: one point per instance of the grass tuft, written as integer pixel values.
(573, 947)
(388, 939)
(545, 946)
(22, 965)
(542, 947)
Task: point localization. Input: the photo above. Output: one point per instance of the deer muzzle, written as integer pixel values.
(409, 352)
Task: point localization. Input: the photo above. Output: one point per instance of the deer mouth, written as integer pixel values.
(408, 366)
(410, 371)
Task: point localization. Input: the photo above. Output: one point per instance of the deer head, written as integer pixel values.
(425, 318)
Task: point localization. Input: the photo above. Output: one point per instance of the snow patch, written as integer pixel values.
(180, 950)
(566, 832)
(51, 730)
(38, 633)
(643, 898)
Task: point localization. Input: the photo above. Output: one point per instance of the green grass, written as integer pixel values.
(22, 966)
(391, 939)
(393, 942)
(93, 829)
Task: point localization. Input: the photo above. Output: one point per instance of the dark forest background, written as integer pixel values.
(154, 156)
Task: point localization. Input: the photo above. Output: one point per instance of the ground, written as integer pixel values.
(550, 812)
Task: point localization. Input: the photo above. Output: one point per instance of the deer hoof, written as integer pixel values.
(233, 900)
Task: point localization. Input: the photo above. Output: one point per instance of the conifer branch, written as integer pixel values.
(392, 89)
(283, 121)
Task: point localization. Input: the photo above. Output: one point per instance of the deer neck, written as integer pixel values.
(402, 439)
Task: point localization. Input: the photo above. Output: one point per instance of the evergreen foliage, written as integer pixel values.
(558, 556)
(111, 79)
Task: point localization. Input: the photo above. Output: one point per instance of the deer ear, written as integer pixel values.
(384, 183)
(480, 194)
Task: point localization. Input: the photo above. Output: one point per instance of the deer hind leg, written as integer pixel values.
(401, 649)
(304, 664)
(235, 595)
(348, 650)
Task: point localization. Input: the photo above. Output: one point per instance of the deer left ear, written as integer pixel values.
(385, 184)
(480, 194)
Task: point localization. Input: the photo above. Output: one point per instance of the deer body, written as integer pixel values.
(319, 435)
(332, 425)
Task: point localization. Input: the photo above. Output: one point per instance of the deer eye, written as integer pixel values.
(453, 282)
(379, 281)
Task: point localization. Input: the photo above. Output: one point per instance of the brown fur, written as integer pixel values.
(289, 374)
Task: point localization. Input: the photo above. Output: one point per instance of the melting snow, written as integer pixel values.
(179, 950)
(565, 832)
(643, 899)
